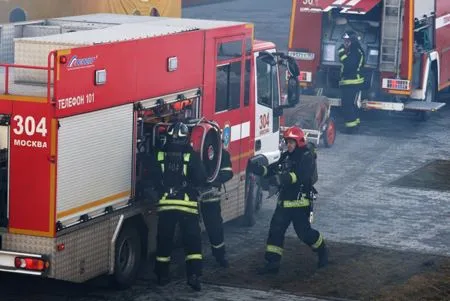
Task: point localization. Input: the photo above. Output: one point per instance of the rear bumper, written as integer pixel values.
(8, 258)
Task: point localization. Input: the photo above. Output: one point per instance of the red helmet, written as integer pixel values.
(296, 134)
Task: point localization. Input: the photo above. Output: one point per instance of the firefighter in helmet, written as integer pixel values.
(178, 174)
(211, 210)
(293, 174)
(352, 57)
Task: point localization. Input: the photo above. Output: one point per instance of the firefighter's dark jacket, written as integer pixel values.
(352, 61)
(195, 176)
(226, 172)
(295, 174)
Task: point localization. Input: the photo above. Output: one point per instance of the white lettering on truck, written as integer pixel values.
(29, 127)
(76, 101)
(30, 143)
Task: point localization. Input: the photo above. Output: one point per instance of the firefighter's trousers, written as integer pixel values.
(349, 107)
(191, 237)
(212, 218)
(281, 219)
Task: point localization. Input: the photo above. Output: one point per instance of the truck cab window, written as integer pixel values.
(264, 77)
(267, 88)
(228, 86)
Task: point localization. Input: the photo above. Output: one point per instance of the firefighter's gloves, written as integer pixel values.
(257, 168)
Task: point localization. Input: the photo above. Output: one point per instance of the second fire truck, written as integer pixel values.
(406, 43)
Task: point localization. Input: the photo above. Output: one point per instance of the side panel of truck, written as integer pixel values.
(135, 70)
(30, 175)
(94, 163)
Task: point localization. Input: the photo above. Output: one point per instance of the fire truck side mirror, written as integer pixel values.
(278, 111)
(293, 91)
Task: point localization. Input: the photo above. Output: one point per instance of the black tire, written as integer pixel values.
(127, 257)
(430, 95)
(329, 135)
(253, 199)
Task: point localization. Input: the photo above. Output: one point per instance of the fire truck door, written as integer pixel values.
(267, 99)
(232, 106)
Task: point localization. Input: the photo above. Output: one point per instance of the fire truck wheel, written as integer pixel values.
(253, 201)
(127, 257)
(329, 135)
(430, 95)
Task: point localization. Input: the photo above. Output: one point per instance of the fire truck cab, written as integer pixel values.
(405, 42)
(85, 100)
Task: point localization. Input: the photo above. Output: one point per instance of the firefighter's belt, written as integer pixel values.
(166, 204)
(303, 202)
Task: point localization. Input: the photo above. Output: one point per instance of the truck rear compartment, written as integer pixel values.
(334, 25)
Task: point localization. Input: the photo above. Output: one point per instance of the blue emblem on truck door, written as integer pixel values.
(226, 135)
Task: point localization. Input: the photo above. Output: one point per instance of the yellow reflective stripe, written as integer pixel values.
(265, 171)
(353, 123)
(163, 259)
(274, 249)
(318, 242)
(218, 246)
(186, 158)
(293, 177)
(180, 208)
(352, 81)
(160, 156)
(361, 61)
(161, 160)
(303, 202)
(341, 50)
(194, 257)
(226, 168)
(342, 58)
(178, 202)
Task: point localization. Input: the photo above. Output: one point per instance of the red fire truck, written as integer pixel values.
(406, 43)
(82, 103)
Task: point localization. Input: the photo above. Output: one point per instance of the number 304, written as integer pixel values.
(29, 126)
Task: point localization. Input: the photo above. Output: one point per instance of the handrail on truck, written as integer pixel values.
(51, 56)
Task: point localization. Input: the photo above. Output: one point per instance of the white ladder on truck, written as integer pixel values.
(391, 27)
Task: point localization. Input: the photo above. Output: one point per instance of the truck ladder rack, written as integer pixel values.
(390, 35)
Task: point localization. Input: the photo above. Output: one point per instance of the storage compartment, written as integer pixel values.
(334, 25)
(205, 138)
